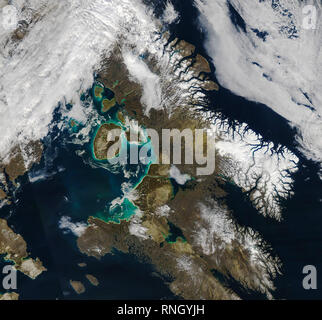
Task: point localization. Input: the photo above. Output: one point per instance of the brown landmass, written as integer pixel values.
(15, 249)
(18, 162)
(3, 195)
(198, 65)
(154, 192)
(108, 104)
(101, 144)
(82, 265)
(93, 280)
(9, 296)
(77, 286)
(119, 80)
(17, 165)
(190, 272)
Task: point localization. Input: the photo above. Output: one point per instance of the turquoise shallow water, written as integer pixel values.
(77, 190)
(73, 186)
(122, 207)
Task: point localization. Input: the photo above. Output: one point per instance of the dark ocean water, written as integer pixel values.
(81, 191)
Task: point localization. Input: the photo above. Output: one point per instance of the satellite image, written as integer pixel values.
(163, 150)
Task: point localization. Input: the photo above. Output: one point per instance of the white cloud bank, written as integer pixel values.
(284, 71)
(57, 57)
(150, 82)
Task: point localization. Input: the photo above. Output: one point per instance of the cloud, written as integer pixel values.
(77, 228)
(150, 82)
(163, 211)
(170, 15)
(56, 59)
(178, 176)
(269, 59)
